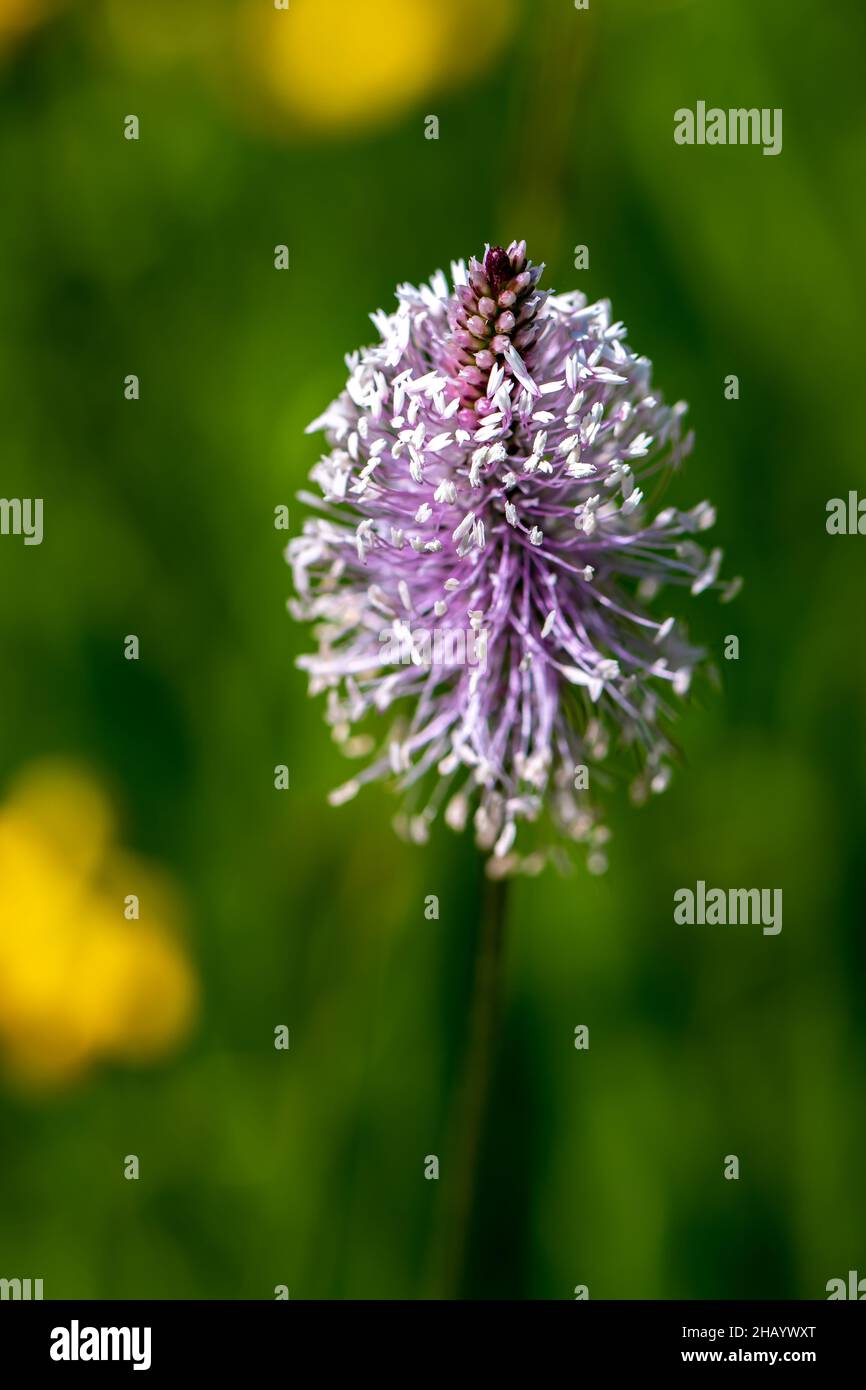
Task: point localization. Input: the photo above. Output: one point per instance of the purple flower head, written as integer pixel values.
(485, 555)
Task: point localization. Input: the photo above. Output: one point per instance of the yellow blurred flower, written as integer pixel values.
(18, 17)
(79, 982)
(353, 63)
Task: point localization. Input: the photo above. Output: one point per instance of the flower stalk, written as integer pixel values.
(474, 1095)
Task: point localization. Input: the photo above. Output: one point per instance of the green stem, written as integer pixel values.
(465, 1149)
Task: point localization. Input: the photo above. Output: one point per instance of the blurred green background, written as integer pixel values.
(305, 1168)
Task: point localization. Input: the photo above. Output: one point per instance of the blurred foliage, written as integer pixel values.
(156, 257)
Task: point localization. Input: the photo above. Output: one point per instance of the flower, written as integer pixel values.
(489, 468)
(78, 981)
(18, 17)
(346, 65)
